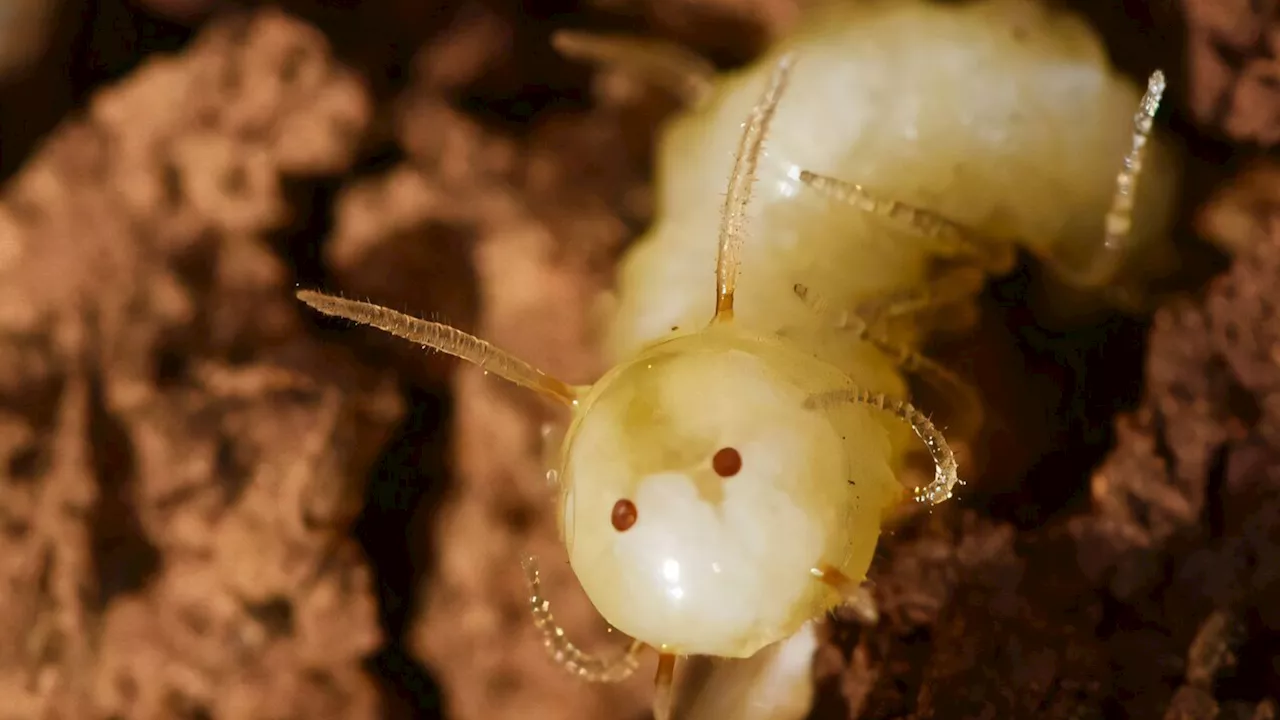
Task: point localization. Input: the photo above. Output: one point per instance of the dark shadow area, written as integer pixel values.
(1097, 370)
(116, 37)
(124, 559)
(538, 78)
(407, 479)
(93, 42)
(404, 487)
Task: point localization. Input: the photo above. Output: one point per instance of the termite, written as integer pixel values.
(727, 481)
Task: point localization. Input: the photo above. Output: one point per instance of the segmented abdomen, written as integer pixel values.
(999, 115)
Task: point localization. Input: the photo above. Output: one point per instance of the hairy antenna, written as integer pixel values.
(439, 336)
(965, 397)
(741, 182)
(1119, 220)
(945, 477)
(954, 239)
(563, 651)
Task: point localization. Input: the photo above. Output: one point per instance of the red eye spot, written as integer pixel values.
(727, 462)
(624, 515)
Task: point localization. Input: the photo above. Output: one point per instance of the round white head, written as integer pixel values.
(700, 494)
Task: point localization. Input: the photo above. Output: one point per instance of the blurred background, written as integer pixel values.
(214, 505)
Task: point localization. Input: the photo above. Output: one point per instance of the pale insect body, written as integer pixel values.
(726, 482)
(1000, 116)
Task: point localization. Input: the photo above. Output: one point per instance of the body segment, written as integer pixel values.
(1001, 116)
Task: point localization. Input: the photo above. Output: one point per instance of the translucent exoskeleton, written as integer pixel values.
(722, 487)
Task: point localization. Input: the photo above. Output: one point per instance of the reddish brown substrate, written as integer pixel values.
(185, 449)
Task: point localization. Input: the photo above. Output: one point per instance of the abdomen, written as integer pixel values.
(998, 115)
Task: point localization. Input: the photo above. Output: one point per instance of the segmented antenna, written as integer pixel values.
(1119, 222)
(563, 651)
(439, 336)
(945, 476)
(954, 240)
(741, 183)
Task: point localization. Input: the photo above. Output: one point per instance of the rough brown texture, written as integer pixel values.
(1234, 84)
(179, 454)
(1160, 598)
(182, 457)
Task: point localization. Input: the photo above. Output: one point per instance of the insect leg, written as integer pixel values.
(774, 684)
(662, 684)
(956, 286)
(856, 595)
(1107, 259)
(952, 239)
(967, 416)
(963, 396)
(678, 70)
(564, 652)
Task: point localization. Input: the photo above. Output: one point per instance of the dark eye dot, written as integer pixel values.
(727, 462)
(624, 515)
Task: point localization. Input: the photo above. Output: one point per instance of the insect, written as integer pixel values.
(727, 480)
